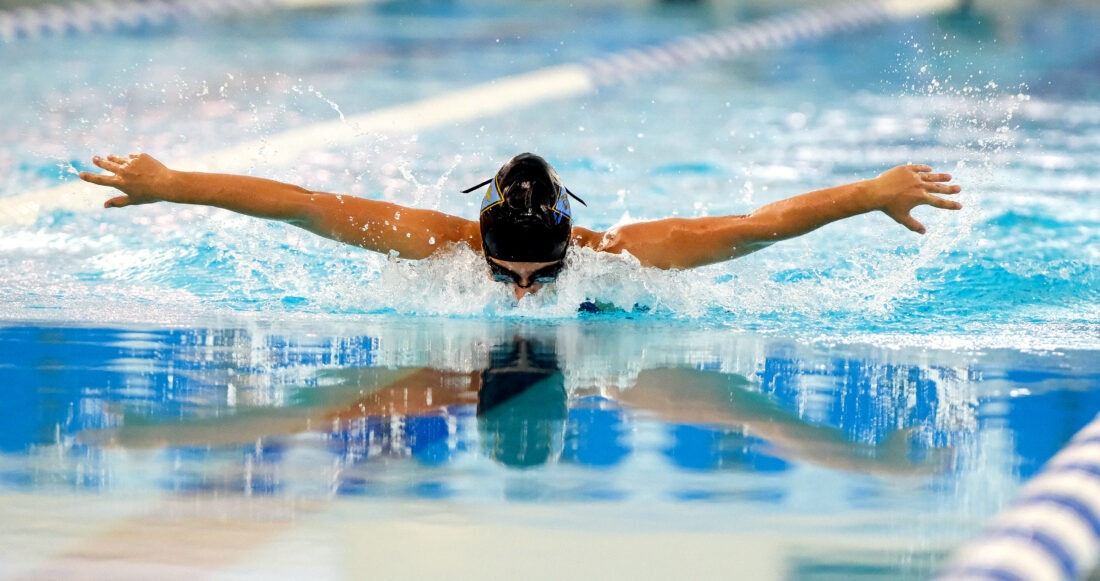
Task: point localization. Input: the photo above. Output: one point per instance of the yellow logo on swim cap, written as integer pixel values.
(492, 196)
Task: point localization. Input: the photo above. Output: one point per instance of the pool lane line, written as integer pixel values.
(1051, 531)
(764, 34)
(505, 94)
(55, 19)
(287, 148)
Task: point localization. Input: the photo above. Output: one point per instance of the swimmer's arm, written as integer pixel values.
(371, 224)
(690, 242)
(693, 396)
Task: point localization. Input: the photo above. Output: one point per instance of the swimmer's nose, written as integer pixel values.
(522, 291)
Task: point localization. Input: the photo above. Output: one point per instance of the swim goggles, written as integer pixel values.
(543, 275)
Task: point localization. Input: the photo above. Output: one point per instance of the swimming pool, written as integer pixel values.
(194, 392)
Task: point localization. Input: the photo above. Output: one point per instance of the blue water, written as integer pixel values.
(873, 394)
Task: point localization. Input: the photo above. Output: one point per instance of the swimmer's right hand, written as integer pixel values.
(140, 177)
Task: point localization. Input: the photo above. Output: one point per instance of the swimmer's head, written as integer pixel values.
(521, 404)
(525, 214)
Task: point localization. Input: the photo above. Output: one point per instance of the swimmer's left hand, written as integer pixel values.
(897, 191)
(142, 179)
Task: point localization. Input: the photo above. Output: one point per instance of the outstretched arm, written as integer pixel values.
(371, 224)
(690, 242)
(693, 396)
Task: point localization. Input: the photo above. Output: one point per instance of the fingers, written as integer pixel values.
(926, 175)
(104, 179)
(107, 180)
(935, 183)
(117, 202)
(940, 188)
(100, 179)
(931, 178)
(911, 223)
(934, 177)
(112, 163)
(943, 204)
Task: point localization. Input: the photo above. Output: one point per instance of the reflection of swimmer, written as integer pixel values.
(521, 404)
(520, 401)
(525, 225)
(519, 398)
(522, 409)
(697, 397)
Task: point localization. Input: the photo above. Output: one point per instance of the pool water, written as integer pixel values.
(807, 458)
(193, 392)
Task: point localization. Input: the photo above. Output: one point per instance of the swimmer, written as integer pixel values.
(525, 225)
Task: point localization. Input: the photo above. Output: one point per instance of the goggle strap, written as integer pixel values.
(574, 196)
(486, 182)
(482, 184)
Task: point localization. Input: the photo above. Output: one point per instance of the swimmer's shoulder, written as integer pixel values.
(585, 238)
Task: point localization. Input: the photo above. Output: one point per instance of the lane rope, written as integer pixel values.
(491, 98)
(30, 23)
(1051, 531)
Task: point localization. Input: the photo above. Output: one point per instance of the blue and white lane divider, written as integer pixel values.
(506, 94)
(767, 33)
(1051, 532)
(102, 15)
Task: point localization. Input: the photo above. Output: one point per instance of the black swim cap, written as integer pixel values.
(525, 215)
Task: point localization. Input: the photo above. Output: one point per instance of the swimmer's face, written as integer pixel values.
(525, 277)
